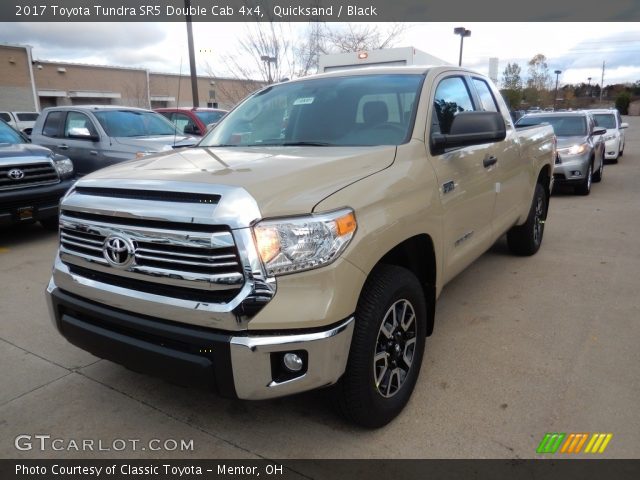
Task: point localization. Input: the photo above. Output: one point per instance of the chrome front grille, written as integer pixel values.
(40, 173)
(196, 262)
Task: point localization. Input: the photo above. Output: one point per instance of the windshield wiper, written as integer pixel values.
(309, 144)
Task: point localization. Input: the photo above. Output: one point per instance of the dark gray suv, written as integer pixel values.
(96, 136)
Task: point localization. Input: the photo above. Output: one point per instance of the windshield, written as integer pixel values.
(351, 110)
(9, 135)
(134, 123)
(563, 126)
(209, 117)
(605, 120)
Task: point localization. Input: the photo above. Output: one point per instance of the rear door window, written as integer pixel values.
(5, 116)
(52, 124)
(486, 97)
(27, 116)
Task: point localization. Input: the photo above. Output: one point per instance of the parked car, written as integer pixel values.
(281, 256)
(614, 136)
(580, 157)
(32, 180)
(193, 121)
(94, 137)
(21, 121)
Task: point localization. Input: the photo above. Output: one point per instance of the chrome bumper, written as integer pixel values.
(327, 352)
(236, 364)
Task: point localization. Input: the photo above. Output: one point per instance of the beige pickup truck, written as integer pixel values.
(304, 241)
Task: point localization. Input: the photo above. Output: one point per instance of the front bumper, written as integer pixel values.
(612, 149)
(571, 169)
(43, 199)
(244, 364)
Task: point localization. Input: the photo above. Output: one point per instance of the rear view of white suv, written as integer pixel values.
(614, 138)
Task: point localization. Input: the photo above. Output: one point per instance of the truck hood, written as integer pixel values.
(156, 144)
(565, 142)
(22, 150)
(282, 180)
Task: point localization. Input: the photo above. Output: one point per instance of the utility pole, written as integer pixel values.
(192, 56)
(602, 82)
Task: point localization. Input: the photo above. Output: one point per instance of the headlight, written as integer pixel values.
(301, 243)
(574, 149)
(64, 166)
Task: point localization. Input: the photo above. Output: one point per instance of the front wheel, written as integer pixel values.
(386, 349)
(526, 239)
(597, 176)
(585, 187)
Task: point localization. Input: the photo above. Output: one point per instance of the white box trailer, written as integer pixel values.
(376, 58)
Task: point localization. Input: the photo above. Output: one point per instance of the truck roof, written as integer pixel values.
(376, 70)
(97, 107)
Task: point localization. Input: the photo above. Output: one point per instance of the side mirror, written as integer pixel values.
(82, 133)
(624, 125)
(471, 128)
(599, 131)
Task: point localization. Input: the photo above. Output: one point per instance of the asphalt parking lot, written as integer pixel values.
(522, 346)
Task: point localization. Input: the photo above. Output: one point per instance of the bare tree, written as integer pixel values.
(539, 77)
(361, 36)
(292, 52)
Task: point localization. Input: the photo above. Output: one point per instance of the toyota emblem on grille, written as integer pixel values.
(15, 174)
(118, 251)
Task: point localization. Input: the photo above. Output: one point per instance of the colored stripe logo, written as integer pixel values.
(574, 442)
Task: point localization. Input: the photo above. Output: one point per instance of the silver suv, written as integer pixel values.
(95, 136)
(580, 158)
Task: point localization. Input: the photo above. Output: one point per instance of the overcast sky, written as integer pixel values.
(578, 49)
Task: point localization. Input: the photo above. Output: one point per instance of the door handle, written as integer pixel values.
(488, 161)
(63, 147)
(93, 152)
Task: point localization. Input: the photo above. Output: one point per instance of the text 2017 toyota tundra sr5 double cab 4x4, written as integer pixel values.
(304, 241)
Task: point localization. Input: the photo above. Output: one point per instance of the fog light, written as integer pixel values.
(292, 362)
(576, 173)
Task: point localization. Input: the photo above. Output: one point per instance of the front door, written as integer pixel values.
(466, 177)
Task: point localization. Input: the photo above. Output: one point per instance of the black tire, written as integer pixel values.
(597, 177)
(585, 186)
(51, 223)
(525, 239)
(365, 394)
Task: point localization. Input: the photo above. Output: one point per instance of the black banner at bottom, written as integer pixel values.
(551, 469)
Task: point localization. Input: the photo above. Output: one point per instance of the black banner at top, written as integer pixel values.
(318, 10)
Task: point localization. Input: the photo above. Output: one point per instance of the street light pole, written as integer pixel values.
(589, 86)
(463, 32)
(555, 96)
(269, 60)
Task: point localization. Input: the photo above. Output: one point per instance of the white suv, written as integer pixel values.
(614, 138)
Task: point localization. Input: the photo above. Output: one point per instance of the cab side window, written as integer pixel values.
(184, 123)
(78, 124)
(451, 98)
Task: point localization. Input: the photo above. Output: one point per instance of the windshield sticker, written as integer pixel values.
(303, 100)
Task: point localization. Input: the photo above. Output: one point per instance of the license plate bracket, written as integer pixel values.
(25, 213)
